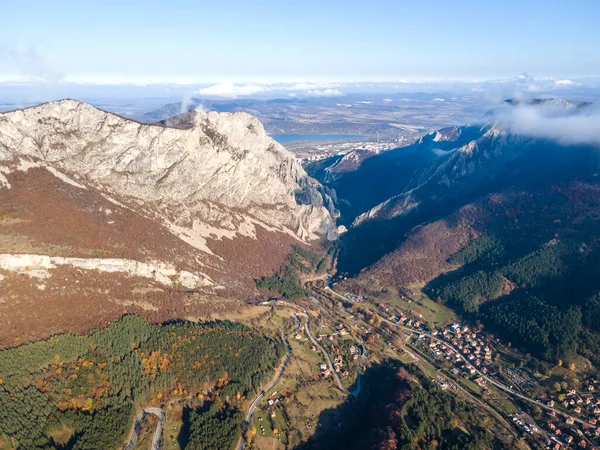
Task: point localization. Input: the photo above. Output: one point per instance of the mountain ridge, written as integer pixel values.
(142, 218)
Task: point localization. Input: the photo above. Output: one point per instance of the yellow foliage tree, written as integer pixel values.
(88, 405)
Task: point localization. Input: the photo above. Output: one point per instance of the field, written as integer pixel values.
(433, 313)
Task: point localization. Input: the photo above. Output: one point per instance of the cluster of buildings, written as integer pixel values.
(559, 439)
(356, 298)
(462, 346)
(316, 153)
(338, 360)
(456, 342)
(585, 406)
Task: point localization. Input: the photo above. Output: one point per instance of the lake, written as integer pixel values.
(284, 138)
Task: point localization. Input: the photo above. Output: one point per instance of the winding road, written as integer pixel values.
(491, 380)
(325, 354)
(252, 408)
(138, 425)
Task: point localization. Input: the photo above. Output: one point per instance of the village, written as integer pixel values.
(571, 419)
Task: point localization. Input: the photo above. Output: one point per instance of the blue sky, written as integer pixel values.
(250, 41)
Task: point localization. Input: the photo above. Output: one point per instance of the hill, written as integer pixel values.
(503, 229)
(101, 215)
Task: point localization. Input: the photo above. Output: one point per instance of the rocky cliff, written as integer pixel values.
(101, 215)
(223, 172)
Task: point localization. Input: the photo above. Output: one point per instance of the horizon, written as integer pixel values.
(197, 44)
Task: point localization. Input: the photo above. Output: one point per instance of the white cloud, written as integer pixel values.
(565, 124)
(309, 86)
(230, 90)
(325, 93)
(29, 64)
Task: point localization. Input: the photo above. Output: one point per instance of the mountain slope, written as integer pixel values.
(98, 208)
(495, 160)
(385, 175)
(503, 229)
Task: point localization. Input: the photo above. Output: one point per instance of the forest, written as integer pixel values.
(82, 392)
(402, 409)
(531, 277)
(286, 280)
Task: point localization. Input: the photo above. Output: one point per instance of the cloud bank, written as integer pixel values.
(563, 122)
(308, 89)
(230, 90)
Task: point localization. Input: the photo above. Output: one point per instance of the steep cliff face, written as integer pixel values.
(223, 171)
(500, 156)
(101, 215)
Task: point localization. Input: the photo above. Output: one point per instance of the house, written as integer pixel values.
(416, 314)
(570, 421)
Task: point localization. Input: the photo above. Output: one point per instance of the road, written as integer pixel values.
(484, 376)
(324, 276)
(490, 410)
(252, 408)
(489, 379)
(325, 354)
(137, 425)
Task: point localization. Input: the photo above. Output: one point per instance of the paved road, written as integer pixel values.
(491, 380)
(485, 377)
(464, 392)
(138, 425)
(252, 408)
(325, 354)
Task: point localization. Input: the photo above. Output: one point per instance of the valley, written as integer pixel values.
(455, 304)
(315, 225)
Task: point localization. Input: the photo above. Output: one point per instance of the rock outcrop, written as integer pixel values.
(223, 174)
(102, 216)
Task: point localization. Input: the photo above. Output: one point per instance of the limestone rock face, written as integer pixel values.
(103, 216)
(221, 176)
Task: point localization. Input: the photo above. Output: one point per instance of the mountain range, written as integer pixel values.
(498, 223)
(101, 215)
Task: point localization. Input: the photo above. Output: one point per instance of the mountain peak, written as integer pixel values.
(224, 159)
(553, 102)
